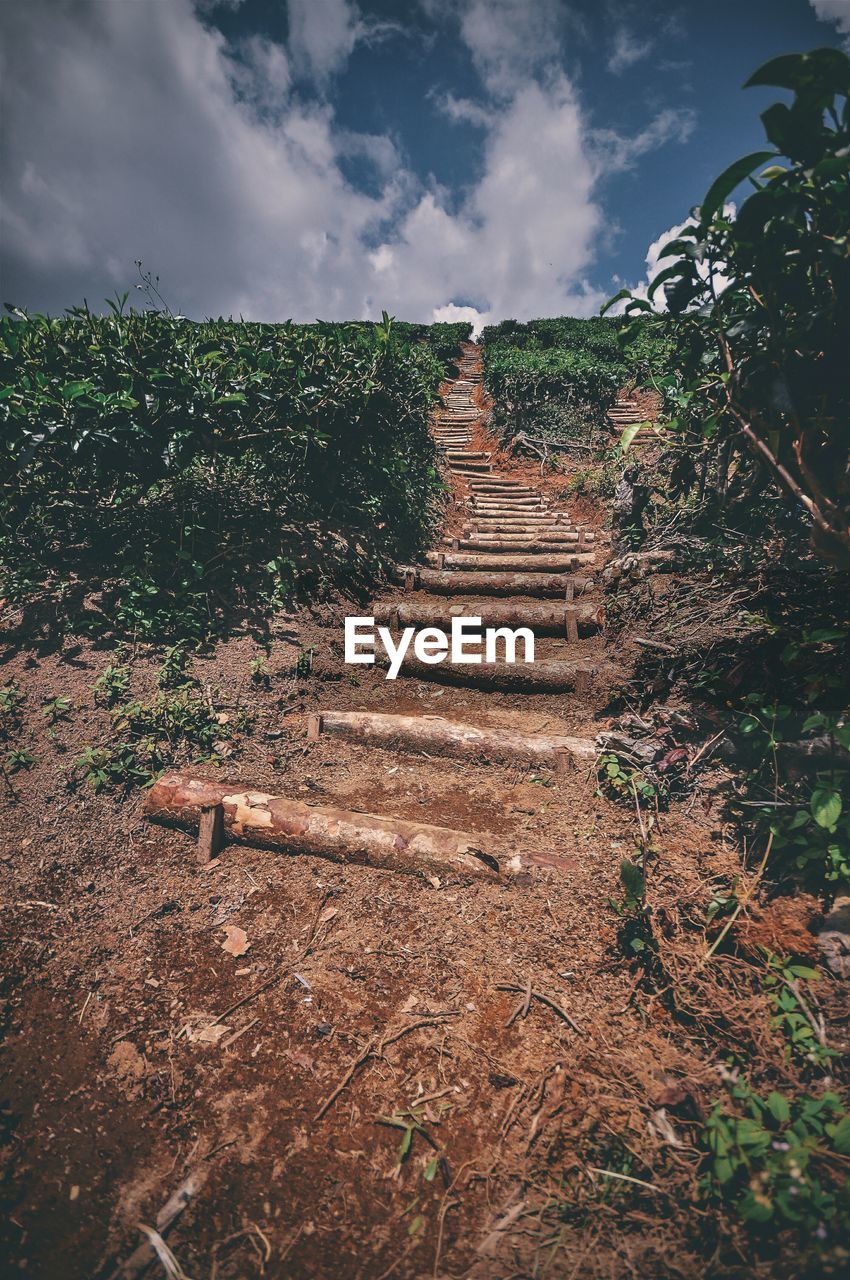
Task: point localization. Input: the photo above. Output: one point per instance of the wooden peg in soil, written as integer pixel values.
(210, 833)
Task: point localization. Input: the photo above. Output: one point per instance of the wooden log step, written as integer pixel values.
(496, 485)
(518, 524)
(556, 562)
(531, 677)
(518, 541)
(471, 455)
(271, 821)
(529, 527)
(464, 468)
(502, 486)
(558, 534)
(465, 582)
(584, 617)
(436, 736)
(507, 501)
(506, 507)
(504, 546)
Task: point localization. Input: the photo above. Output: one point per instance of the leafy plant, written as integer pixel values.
(113, 684)
(55, 709)
(623, 781)
(174, 670)
(793, 1014)
(150, 736)
(260, 674)
(758, 302)
(304, 663)
(778, 1160)
(17, 760)
(11, 701)
(164, 469)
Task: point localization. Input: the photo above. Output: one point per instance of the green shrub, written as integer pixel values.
(171, 467)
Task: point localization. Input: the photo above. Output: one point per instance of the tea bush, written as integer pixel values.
(173, 469)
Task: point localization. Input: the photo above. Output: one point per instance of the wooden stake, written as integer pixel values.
(210, 833)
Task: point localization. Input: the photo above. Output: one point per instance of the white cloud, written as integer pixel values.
(510, 40)
(452, 314)
(627, 51)
(464, 110)
(655, 263)
(837, 11)
(137, 131)
(616, 151)
(322, 35)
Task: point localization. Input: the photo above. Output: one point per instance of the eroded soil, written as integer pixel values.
(460, 1140)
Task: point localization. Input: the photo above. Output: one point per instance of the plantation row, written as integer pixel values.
(556, 378)
(176, 468)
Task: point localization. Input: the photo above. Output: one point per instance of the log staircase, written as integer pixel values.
(633, 406)
(514, 559)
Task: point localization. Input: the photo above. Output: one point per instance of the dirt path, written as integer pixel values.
(398, 1076)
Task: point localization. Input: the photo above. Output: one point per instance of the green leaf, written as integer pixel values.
(729, 179)
(826, 807)
(828, 68)
(779, 1108)
(618, 297)
(431, 1169)
(73, 390)
(632, 878)
(628, 436)
(840, 1134)
(669, 273)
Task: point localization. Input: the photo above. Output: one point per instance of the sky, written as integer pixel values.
(437, 159)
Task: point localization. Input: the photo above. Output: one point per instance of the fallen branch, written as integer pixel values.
(529, 995)
(522, 438)
(374, 1049)
(142, 1257)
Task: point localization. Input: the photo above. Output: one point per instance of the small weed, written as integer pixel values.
(411, 1123)
(115, 766)
(636, 936)
(151, 735)
(11, 701)
(304, 663)
(113, 685)
(55, 709)
(622, 781)
(793, 1015)
(17, 760)
(723, 903)
(175, 668)
(260, 674)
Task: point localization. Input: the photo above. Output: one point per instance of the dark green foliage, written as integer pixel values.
(173, 468)
(760, 311)
(779, 1161)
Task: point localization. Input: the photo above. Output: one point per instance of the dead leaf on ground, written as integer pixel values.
(208, 1035)
(236, 941)
(300, 1058)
